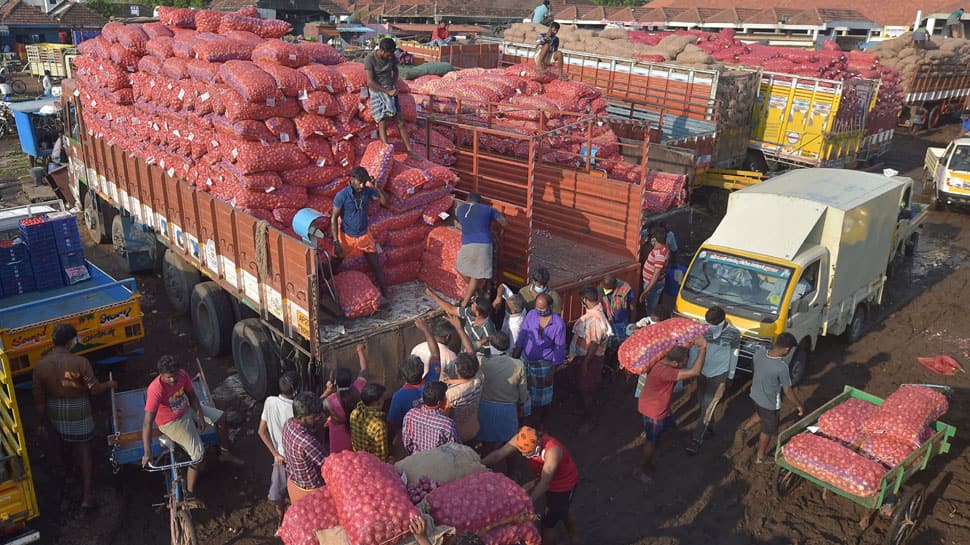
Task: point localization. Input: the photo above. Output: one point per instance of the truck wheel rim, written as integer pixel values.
(90, 214)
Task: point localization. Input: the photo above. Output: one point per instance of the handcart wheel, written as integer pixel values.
(786, 481)
(906, 515)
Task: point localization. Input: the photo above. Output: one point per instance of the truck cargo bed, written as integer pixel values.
(44, 306)
(405, 302)
(569, 262)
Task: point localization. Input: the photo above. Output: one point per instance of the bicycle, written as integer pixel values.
(179, 507)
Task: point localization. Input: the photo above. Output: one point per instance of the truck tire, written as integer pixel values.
(253, 354)
(212, 318)
(798, 366)
(938, 201)
(910, 248)
(94, 219)
(857, 326)
(179, 278)
(935, 118)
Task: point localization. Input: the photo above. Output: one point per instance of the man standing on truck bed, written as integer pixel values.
(62, 384)
(349, 222)
(954, 25)
(474, 262)
(382, 75)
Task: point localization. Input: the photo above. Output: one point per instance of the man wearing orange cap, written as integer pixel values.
(557, 474)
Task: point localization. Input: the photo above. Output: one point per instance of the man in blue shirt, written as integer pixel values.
(474, 262)
(412, 371)
(349, 222)
(540, 15)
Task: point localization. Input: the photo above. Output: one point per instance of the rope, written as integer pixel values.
(262, 249)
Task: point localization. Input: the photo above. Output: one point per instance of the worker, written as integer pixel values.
(382, 79)
(62, 385)
(475, 260)
(954, 25)
(541, 14)
(349, 222)
(440, 35)
(46, 83)
(551, 463)
(549, 53)
(919, 38)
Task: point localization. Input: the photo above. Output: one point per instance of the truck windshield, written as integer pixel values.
(961, 159)
(751, 288)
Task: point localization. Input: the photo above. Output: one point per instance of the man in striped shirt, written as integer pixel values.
(655, 271)
(720, 361)
(302, 449)
(427, 427)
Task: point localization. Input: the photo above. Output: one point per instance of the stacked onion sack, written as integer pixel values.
(525, 103)
(370, 504)
(218, 100)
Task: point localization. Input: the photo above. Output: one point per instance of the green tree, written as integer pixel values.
(105, 8)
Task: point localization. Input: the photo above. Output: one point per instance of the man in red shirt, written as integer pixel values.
(554, 467)
(440, 35)
(656, 395)
(172, 404)
(655, 271)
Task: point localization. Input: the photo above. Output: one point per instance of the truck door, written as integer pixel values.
(808, 297)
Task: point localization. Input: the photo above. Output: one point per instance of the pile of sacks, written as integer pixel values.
(217, 99)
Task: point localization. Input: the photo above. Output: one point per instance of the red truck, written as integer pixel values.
(253, 290)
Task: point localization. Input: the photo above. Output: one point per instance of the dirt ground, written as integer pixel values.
(716, 497)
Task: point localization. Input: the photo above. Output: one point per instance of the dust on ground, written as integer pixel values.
(718, 497)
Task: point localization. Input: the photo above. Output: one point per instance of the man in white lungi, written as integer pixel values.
(475, 257)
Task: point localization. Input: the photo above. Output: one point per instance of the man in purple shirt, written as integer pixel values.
(542, 347)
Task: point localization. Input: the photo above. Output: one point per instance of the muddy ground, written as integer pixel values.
(717, 497)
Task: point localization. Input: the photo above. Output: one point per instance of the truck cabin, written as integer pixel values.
(957, 155)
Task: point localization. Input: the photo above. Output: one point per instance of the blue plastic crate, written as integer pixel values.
(36, 231)
(67, 244)
(16, 288)
(72, 259)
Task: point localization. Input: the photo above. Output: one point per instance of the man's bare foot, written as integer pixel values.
(644, 479)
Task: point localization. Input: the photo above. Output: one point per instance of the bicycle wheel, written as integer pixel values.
(183, 531)
(18, 86)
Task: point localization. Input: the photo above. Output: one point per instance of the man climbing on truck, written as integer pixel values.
(382, 76)
(474, 262)
(62, 385)
(349, 222)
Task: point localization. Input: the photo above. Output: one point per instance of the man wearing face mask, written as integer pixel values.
(542, 347)
(720, 361)
(477, 317)
(539, 285)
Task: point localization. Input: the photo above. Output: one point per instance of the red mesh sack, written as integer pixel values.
(372, 502)
(282, 128)
(245, 129)
(249, 80)
(317, 148)
(290, 82)
(280, 52)
(310, 125)
(354, 74)
(513, 534)
(176, 17)
(648, 345)
(319, 53)
(441, 175)
(284, 197)
(400, 274)
(208, 20)
(285, 215)
(149, 64)
(183, 47)
(247, 38)
(412, 234)
(123, 57)
(907, 413)
(259, 181)
(203, 71)
(160, 47)
(96, 47)
(320, 103)
(480, 502)
(133, 38)
(399, 255)
(834, 464)
(248, 11)
(406, 183)
(343, 153)
(312, 175)
(431, 213)
(887, 449)
(252, 157)
(271, 28)
(438, 262)
(845, 420)
(222, 50)
(237, 108)
(348, 104)
(325, 78)
(377, 160)
(110, 32)
(408, 108)
(174, 68)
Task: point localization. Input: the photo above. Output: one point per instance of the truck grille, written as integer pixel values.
(748, 347)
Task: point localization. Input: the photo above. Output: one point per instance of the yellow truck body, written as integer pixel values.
(811, 122)
(50, 57)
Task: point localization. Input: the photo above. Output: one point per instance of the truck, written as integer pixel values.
(946, 173)
(806, 252)
(255, 291)
(803, 121)
(933, 92)
(106, 312)
(50, 57)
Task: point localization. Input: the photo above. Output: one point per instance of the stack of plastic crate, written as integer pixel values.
(45, 263)
(15, 273)
(69, 248)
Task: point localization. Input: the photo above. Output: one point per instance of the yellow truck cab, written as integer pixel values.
(805, 252)
(947, 171)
